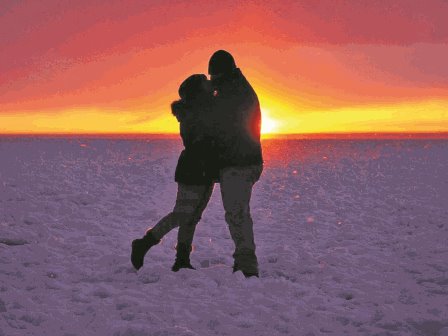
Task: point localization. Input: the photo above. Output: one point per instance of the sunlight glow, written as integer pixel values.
(424, 116)
(268, 124)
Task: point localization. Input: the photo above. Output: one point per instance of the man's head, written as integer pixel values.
(221, 63)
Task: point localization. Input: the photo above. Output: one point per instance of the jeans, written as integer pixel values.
(191, 201)
(236, 191)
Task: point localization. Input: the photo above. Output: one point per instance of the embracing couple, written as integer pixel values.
(220, 122)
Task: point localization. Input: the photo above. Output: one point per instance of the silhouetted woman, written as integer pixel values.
(195, 173)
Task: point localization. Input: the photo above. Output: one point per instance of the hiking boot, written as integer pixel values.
(140, 247)
(246, 263)
(247, 273)
(182, 257)
(181, 264)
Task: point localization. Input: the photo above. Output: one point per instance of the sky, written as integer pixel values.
(326, 66)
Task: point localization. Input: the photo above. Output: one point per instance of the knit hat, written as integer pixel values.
(221, 62)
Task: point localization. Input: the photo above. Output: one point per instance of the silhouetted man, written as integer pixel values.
(237, 131)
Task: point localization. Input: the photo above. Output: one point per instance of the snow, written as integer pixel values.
(351, 238)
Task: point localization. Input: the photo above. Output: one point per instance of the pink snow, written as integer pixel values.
(353, 242)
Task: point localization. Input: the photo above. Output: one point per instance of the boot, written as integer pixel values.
(247, 263)
(140, 247)
(182, 257)
(247, 274)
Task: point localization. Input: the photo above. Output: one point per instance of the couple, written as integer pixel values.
(220, 122)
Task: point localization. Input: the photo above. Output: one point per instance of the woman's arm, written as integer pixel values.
(190, 126)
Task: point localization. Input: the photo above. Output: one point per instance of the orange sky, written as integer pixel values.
(327, 66)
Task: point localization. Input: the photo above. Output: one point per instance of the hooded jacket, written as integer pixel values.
(197, 164)
(237, 123)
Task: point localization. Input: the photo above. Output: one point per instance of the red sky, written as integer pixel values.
(318, 66)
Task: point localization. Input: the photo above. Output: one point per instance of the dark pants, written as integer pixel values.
(236, 191)
(191, 201)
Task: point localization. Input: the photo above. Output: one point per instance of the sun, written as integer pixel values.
(268, 124)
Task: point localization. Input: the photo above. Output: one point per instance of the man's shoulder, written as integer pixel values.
(245, 85)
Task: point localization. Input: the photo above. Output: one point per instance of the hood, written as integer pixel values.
(179, 109)
(229, 80)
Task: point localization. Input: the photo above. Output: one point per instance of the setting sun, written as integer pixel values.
(323, 69)
(268, 124)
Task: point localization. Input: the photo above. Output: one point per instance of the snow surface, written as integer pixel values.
(351, 238)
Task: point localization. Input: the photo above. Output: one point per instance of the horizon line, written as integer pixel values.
(317, 135)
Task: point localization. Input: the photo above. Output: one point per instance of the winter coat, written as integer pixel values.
(197, 164)
(237, 121)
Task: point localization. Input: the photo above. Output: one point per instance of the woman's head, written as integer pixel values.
(193, 86)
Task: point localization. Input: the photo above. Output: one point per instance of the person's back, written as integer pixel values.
(238, 121)
(237, 127)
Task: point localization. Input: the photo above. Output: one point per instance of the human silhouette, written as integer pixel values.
(237, 124)
(195, 173)
(220, 123)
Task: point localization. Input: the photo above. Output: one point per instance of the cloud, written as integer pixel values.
(132, 55)
(400, 22)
